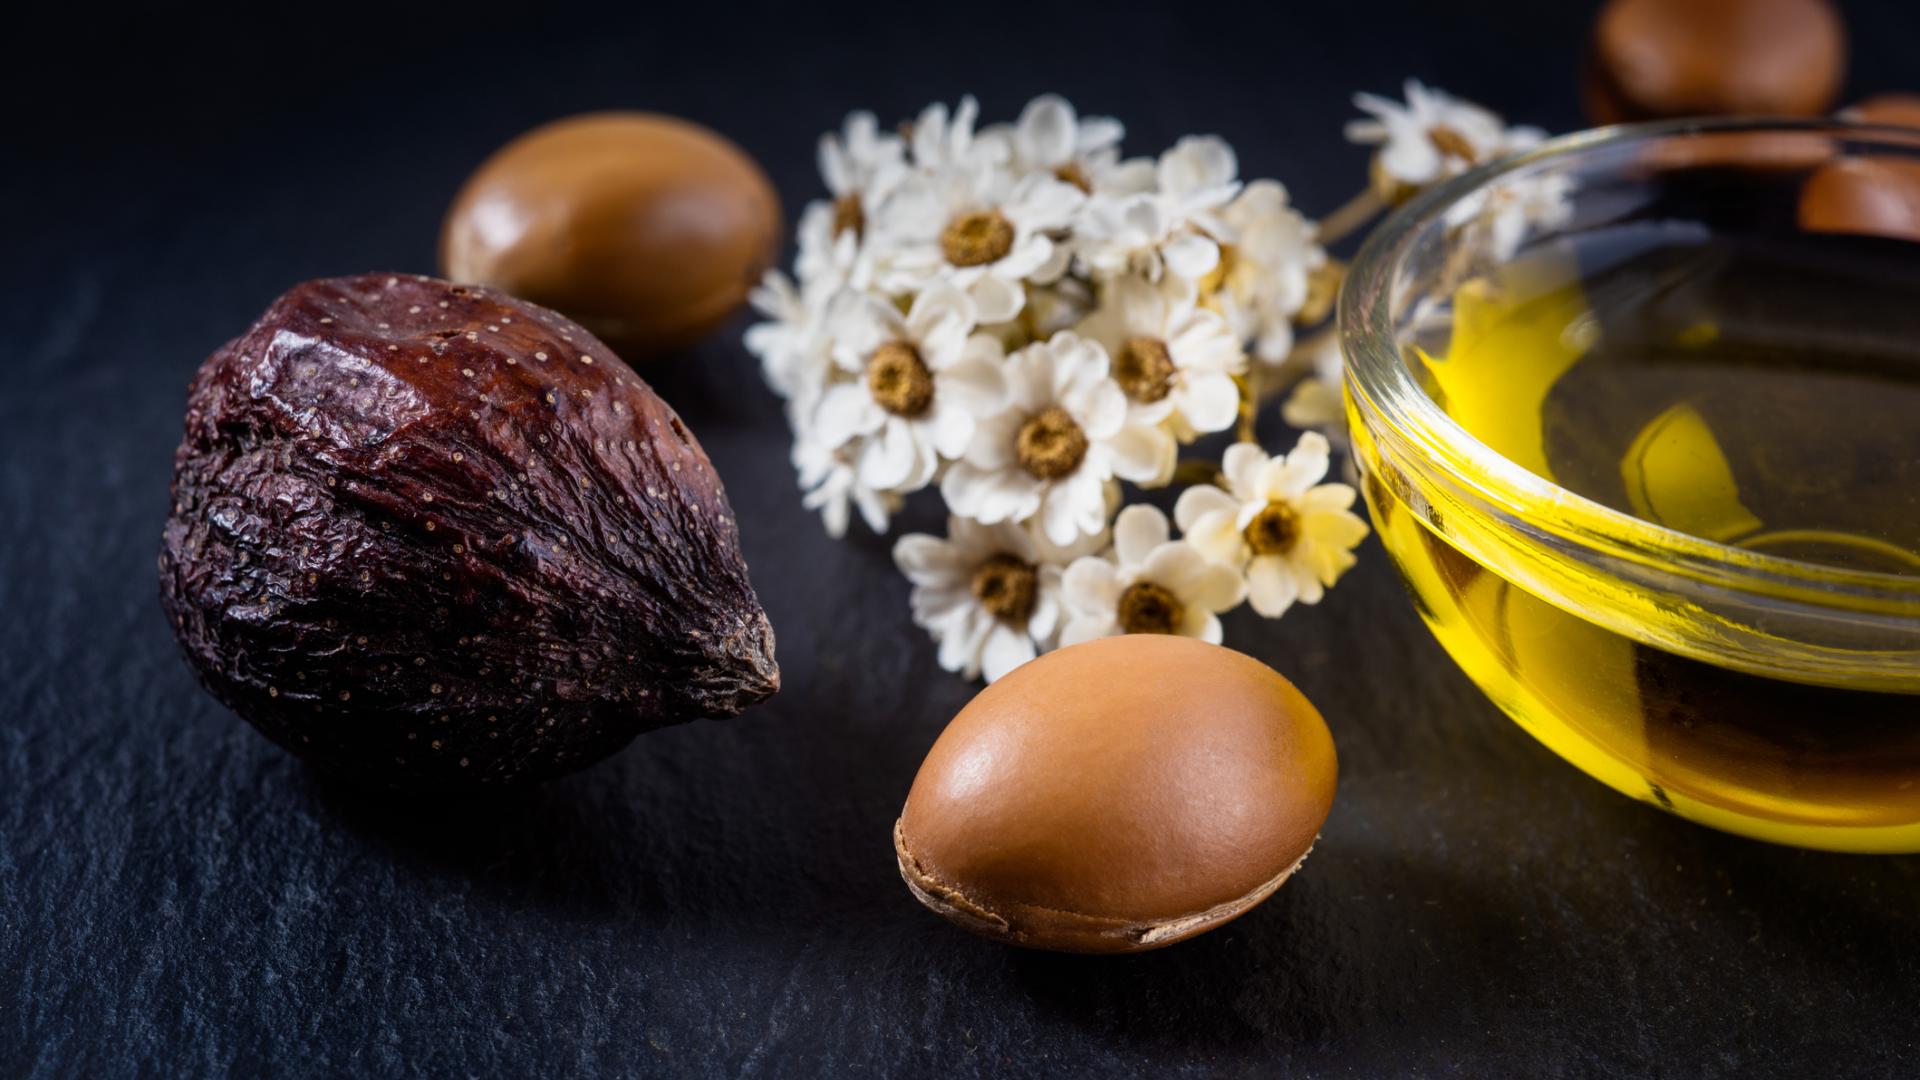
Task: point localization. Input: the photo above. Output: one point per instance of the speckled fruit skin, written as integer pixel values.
(430, 536)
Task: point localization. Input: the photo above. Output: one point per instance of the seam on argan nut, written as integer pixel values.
(1111, 933)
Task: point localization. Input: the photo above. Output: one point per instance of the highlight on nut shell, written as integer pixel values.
(646, 229)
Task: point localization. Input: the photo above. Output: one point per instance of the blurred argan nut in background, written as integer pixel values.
(1651, 59)
(1893, 110)
(1865, 196)
(1117, 796)
(646, 229)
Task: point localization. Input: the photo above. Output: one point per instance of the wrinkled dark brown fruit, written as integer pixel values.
(429, 536)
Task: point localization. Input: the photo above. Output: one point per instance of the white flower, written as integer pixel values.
(913, 385)
(830, 256)
(1151, 584)
(942, 142)
(831, 483)
(1160, 231)
(1173, 359)
(1266, 264)
(986, 594)
(1083, 151)
(1292, 535)
(1063, 435)
(860, 166)
(1494, 221)
(979, 228)
(791, 343)
(1431, 138)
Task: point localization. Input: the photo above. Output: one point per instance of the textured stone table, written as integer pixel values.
(179, 897)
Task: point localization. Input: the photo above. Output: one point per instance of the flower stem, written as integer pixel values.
(1191, 471)
(1354, 213)
(1294, 362)
(1249, 403)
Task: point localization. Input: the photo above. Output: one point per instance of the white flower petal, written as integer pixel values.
(1144, 455)
(950, 426)
(1271, 586)
(974, 383)
(996, 299)
(1006, 648)
(989, 495)
(1046, 132)
(1200, 500)
(1138, 530)
(927, 560)
(847, 411)
(1099, 407)
(1086, 628)
(1210, 402)
(1192, 256)
(1217, 588)
(890, 460)
(1242, 465)
(1090, 586)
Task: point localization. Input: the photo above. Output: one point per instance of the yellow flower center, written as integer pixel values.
(1146, 608)
(1051, 444)
(848, 214)
(1144, 369)
(899, 380)
(977, 238)
(1451, 143)
(1274, 530)
(1072, 173)
(1215, 279)
(1006, 588)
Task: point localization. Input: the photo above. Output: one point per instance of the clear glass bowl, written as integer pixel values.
(1738, 684)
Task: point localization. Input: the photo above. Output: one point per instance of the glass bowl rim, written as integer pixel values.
(1375, 371)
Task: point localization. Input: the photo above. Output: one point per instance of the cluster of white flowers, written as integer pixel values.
(1020, 318)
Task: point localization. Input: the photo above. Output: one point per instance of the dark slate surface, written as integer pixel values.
(179, 897)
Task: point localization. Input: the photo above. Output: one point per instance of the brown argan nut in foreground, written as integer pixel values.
(1651, 59)
(1117, 796)
(646, 229)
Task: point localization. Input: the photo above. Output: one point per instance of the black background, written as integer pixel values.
(179, 897)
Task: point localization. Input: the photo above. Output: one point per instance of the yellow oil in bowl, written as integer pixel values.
(1756, 392)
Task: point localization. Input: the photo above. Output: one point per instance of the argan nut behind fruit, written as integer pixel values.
(426, 535)
(1651, 59)
(646, 229)
(1864, 196)
(1892, 110)
(1117, 796)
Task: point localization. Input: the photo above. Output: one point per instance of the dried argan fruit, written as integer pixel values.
(1117, 796)
(430, 536)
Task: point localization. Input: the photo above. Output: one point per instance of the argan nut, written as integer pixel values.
(1652, 59)
(1891, 110)
(1867, 196)
(428, 536)
(646, 229)
(1117, 796)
